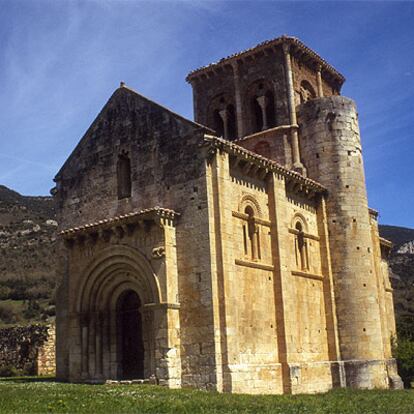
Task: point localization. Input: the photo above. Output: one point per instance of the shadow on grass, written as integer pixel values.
(23, 380)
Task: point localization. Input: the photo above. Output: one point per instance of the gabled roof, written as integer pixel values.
(123, 89)
(267, 44)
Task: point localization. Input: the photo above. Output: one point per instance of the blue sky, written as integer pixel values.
(61, 60)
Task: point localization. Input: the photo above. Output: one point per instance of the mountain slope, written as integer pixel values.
(401, 263)
(27, 255)
(398, 235)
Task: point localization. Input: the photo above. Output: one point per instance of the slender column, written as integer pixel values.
(92, 344)
(98, 346)
(297, 165)
(106, 344)
(113, 345)
(319, 81)
(148, 331)
(223, 115)
(84, 346)
(261, 100)
(237, 92)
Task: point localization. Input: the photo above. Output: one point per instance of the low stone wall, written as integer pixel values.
(30, 348)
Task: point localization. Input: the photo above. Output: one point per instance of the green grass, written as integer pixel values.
(34, 395)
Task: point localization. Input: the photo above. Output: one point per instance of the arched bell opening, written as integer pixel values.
(130, 339)
(262, 114)
(257, 115)
(218, 123)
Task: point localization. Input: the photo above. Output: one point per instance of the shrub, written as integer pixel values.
(49, 311)
(9, 314)
(33, 310)
(4, 292)
(404, 353)
(11, 371)
(38, 292)
(405, 326)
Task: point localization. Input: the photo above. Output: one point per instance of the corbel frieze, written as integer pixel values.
(119, 227)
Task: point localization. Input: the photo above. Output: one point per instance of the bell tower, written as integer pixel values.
(252, 96)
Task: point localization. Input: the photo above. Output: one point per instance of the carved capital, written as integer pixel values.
(262, 100)
(223, 115)
(286, 48)
(158, 252)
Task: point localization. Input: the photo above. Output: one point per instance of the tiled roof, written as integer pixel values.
(266, 44)
(263, 162)
(121, 219)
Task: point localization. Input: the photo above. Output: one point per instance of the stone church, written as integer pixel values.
(236, 252)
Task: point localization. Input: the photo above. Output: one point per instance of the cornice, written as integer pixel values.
(269, 44)
(157, 214)
(264, 166)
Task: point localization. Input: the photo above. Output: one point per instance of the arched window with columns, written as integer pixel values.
(251, 236)
(257, 115)
(231, 122)
(222, 116)
(262, 106)
(270, 109)
(218, 123)
(301, 248)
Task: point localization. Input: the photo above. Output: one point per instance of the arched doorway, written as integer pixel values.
(130, 343)
(123, 331)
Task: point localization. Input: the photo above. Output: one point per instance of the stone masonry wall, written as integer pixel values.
(46, 361)
(30, 348)
(168, 170)
(273, 320)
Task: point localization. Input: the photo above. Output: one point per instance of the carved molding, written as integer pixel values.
(245, 217)
(163, 305)
(254, 265)
(306, 235)
(307, 275)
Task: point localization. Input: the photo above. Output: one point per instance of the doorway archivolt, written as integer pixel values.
(115, 307)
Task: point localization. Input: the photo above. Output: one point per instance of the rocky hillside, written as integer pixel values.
(27, 256)
(398, 235)
(401, 263)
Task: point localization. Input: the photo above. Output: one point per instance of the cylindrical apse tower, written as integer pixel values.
(331, 151)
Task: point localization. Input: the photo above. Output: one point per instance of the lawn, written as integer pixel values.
(34, 395)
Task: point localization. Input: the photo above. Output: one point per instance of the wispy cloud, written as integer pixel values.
(61, 60)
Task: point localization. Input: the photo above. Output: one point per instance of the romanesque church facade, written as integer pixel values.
(235, 253)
